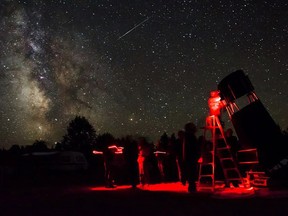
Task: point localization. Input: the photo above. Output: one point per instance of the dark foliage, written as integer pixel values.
(39, 146)
(81, 136)
(104, 140)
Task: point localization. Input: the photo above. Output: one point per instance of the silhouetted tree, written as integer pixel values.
(39, 146)
(80, 136)
(285, 131)
(58, 146)
(15, 149)
(163, 143)
(172, 143)
(104, 140)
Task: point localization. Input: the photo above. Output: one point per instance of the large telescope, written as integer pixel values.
(254, 126)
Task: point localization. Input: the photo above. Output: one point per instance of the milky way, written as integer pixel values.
(59, 59)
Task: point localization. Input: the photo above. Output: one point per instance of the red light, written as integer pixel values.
(97, 152)
(118, 150)
(160, 152)
(177, 187)
(215, 104)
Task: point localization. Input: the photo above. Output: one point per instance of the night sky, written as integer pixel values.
(133, 67)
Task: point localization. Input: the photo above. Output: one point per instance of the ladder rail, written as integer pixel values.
(212, 124)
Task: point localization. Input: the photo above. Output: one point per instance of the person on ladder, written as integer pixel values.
(215, 106)
(215, 103)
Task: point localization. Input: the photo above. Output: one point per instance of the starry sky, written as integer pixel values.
(133, 67)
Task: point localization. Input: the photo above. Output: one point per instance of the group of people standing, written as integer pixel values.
(140, 158)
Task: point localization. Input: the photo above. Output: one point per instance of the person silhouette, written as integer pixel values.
(108, 155)
(191, 155)
(179, 156)
(143, 153)
(131, 155)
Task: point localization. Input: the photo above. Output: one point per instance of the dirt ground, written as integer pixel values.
(161, 199)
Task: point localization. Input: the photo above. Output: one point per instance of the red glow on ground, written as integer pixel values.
(177, 187)
(102, 188)
(169, 187)
(234, 193)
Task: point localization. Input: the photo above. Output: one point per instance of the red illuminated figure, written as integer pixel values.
(215, 103)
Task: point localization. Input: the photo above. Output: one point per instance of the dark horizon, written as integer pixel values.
(138, 68)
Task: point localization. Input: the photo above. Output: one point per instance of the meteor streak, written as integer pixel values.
(134, 28)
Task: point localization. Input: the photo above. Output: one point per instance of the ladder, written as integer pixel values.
(216, 145)
(254, 177)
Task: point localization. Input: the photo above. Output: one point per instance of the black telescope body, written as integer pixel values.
(253, 124)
